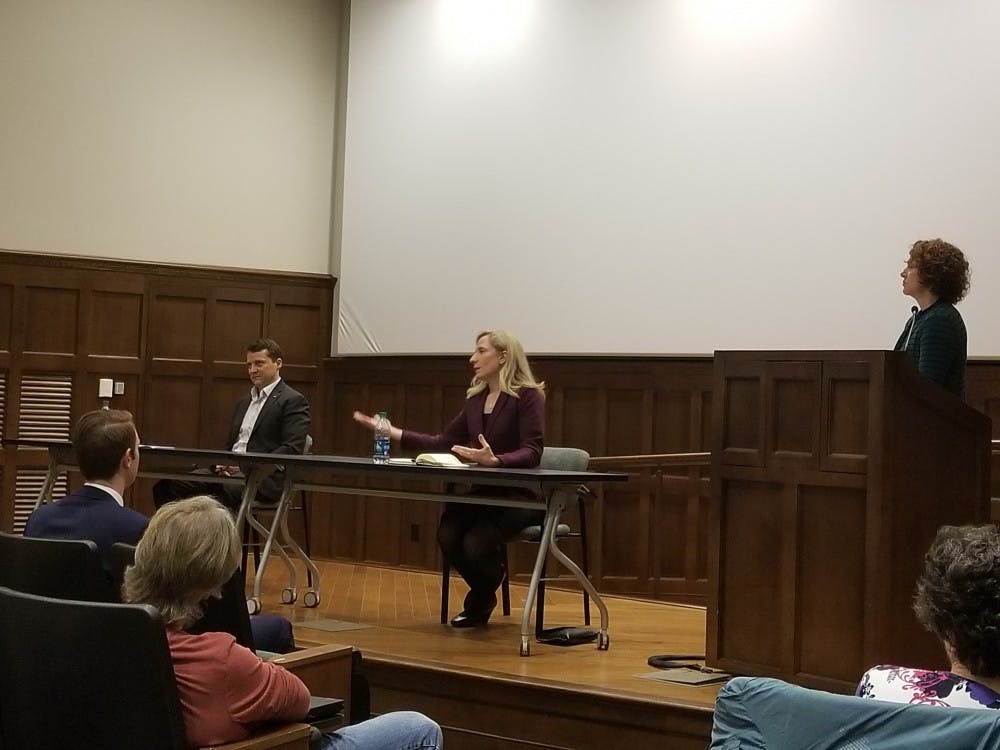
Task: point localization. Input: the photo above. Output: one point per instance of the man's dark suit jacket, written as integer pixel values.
(88, 513)
(515, 430)
(281, 427)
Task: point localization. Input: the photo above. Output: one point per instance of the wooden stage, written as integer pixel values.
(474, 683)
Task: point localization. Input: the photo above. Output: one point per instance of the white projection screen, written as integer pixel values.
(663, 176)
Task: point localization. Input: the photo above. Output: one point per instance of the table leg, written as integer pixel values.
(603, 641)
(552, 513)
(45, 493)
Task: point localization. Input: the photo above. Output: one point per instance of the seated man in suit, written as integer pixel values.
(106, 445)
(272, 418)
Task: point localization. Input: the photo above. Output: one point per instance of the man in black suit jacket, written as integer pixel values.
(272, 418)
(107, 450)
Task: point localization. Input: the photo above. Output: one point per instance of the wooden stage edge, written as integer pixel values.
(486, 696)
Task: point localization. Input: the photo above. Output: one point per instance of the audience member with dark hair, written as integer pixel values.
(958, 600)
(936, 276)
(189, 550)
(106, 445)
(272, 418)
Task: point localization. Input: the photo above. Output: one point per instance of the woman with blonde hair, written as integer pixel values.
(188, 551)
(502, 425)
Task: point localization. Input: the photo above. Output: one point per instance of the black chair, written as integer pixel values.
(564, 459)
(92, 674)
(227, 614)
(60, 568)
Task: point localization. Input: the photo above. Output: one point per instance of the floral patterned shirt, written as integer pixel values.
(906, 685)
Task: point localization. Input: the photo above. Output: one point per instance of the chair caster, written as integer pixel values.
(311, 598)
(253, 605)
(603, 640)
(525, 646)
(288, 596)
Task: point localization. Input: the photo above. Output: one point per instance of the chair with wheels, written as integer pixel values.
(563, 459)
(106, 679)
(277, 537)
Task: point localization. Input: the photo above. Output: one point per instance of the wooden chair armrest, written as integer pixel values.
(312, 655)
(326, 670)
(284, 737)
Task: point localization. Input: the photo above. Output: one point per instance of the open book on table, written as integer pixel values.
(437, 459)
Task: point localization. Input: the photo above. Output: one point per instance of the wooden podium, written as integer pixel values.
(831, 473)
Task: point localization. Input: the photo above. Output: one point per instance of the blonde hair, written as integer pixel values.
(515, 372)
(188, 551)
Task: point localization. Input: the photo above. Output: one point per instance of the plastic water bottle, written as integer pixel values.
(380, 449)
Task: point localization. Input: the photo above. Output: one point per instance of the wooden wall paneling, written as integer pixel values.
(555, 414)
(163, 422)
(628, 413)
(177, 322)
(383, 517)
(669, 543)
(217, 409)
(144, 325)
(299, 319)
(51, 315)
(698, 516)
(337, 521)
(6, 453)
(624, 531)
(6, 316)
(672, 422)
(628, 528)
(240, 316)
(583, 420)
(116, 323)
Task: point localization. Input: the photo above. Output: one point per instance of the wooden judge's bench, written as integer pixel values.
(831, 473)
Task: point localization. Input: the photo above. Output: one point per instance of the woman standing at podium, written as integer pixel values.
(936, 276)
(502, 424)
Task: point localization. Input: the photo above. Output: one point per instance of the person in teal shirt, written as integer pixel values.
(936, 276)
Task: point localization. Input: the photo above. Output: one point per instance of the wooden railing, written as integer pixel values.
(660, 517)
(653, 461)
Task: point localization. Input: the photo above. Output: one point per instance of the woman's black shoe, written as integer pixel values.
(470, 618)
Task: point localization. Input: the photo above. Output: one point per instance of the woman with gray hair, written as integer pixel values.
(189, 550)
(958, 600)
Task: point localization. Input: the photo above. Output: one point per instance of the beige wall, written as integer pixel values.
(188, 131)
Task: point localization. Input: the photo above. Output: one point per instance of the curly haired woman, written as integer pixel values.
(958, 600)
(937, 277)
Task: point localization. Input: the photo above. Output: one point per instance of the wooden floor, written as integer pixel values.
(477, 686)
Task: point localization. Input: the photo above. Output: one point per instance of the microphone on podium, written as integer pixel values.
(913, 317)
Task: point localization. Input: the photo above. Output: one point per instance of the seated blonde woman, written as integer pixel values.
(501, 425)
(189, 550)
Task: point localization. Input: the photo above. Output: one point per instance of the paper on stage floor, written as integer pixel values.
(331, 625)
(685, 676)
